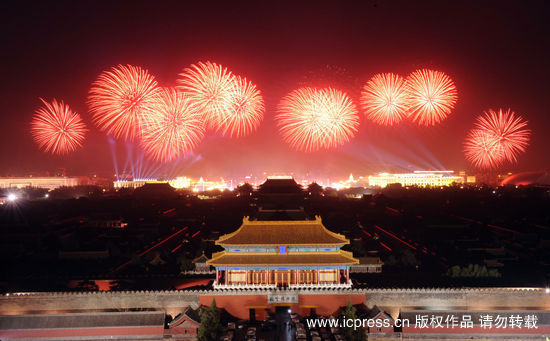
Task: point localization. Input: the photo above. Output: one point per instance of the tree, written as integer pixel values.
(351, 333)
(314, 189)
(210, 323)
(87, 285)
(472, 271)
(136, 260)
(390, 261)
(185, 263)
(358, 248)
(408, 258)
(330, 192)
(120, 285)
(245, 189)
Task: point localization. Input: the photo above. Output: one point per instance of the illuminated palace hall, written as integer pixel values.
(282, 247)
(282, 258)
(282, 254)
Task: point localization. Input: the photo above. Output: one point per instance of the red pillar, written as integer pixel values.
(289, 278)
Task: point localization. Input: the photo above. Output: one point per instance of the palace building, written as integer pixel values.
(282, 254)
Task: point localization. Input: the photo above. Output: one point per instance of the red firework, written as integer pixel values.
(208, 86)
(482, 150)
(384, 99)
(243, 109)
(118, 99)
(311, 119)
(507, 130)
(431, 96)
(57, 129)
(172, 127)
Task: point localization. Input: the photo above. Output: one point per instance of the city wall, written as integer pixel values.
(174, 302)
(392, 300)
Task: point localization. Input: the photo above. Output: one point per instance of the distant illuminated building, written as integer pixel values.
(135, 183)
(49, 183)
(206, 185)
(418, 178)
(350, 182)
(279, 177)
(197, 186)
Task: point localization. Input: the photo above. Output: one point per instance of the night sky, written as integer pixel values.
(497, 53)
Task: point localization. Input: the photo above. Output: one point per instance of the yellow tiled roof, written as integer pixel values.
(302, 232)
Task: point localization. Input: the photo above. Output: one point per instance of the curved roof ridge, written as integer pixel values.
(349, 254)
(300, 259)
(229, 235)
(334, 234)
(317, 220)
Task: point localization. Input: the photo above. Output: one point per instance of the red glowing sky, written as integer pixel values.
(496, 53)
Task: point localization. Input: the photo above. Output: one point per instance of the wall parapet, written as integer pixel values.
(392, 299)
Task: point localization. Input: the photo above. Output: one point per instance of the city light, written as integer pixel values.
(348, 183)
(12, 197)
(203, 184)
(180, 182)
(195, 185)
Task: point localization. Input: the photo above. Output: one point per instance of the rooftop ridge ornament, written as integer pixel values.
(317, 220)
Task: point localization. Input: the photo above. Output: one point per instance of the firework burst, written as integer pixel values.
(208, 86)
(482, 150)
(57, 129)
(172, 127)
(431, 96)
(311, 119)
(507, 129)
(384, 99)
(118, 99)
(243, 109)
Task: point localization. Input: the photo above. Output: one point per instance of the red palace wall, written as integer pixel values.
(325, 304)
(189, 332)
(103, 332)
